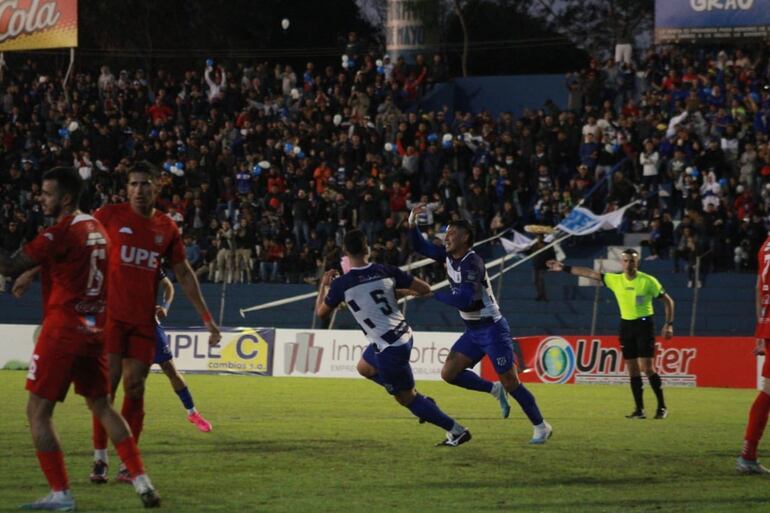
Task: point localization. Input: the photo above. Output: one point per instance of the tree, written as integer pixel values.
(597, 25)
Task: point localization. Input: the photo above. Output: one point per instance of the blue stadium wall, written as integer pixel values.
(497, 94)
(725, 305)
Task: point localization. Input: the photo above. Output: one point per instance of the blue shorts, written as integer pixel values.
(392, 365)
(162, 348)
(493, 340)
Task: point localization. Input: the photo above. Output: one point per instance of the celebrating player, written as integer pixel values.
(72, 256)
(141, 237)
(165, 359)
(634, 291)
(486, 330)
(747, 462)
(370, 292)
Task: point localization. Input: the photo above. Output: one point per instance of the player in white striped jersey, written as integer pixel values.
(486, 330)
(370, 292)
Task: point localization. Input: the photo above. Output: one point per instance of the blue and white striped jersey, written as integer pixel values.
(370, 293)
(468, 281)
(470, 269)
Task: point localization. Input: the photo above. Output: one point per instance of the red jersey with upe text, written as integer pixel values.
(763, 283)
(137, 246)
(73, 259)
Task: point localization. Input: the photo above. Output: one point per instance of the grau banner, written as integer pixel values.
(711, 20)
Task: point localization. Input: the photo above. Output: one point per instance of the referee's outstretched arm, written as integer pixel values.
(585, 272)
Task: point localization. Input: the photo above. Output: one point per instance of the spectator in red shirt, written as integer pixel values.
(159, 112)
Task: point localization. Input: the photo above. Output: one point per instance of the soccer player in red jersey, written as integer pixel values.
(140, 237)
(72, 259)
(747, 462)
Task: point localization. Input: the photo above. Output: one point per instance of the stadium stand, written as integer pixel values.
(265, 167)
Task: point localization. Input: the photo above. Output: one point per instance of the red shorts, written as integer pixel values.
(54, 366)
(135, 341)
(766, 365)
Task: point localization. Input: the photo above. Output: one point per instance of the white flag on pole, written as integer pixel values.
(519, 243)
(582, 221)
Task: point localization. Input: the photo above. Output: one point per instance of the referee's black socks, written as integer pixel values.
(636, 389)
(657, 386)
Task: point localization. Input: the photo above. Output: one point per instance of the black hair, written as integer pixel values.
(465, 226)
(68, 181)
(355, 243)
(145, 167)
(631, 252)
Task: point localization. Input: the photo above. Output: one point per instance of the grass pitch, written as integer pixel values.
(329, 445)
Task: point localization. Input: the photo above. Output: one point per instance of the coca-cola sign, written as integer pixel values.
(32, 24)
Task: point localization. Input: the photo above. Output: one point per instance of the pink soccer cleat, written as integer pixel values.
(123, 476)
(201, 423)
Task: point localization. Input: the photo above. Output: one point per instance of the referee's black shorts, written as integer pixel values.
(637, 338)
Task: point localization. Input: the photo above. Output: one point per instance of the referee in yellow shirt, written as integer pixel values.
(634, 292)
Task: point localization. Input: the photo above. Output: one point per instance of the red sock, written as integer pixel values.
(755, 428)
(133, 412)
(52, 463)
(100, 434)
(130, 456)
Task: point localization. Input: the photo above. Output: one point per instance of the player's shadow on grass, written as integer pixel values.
(311, 446)
(666, 504)
(519, 482)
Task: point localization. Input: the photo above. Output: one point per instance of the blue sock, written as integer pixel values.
(424, 409)
(472, 381)
(186, 398)
(527, 402)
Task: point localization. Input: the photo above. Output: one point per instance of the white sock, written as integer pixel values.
(141, 483)
(496, 386)
(100, 454)
(541, 426)
(457, 429)
(192, 410)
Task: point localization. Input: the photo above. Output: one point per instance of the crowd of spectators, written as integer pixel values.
(265, 167)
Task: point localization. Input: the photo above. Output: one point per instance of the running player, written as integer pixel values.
(747, 462)
(141, 237)
(165, 359)
(72, 257)
(370, 292)
(486, 330)
(634, 292)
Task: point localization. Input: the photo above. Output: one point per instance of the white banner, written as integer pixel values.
(335, 353)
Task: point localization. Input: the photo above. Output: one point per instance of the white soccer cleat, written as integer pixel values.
(745, 466)
(54, 501)
(148, 495)
(541, 434)
(499, 392)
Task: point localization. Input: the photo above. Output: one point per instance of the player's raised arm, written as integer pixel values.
(585, 272)
(192, 289)
(418, 288)
(322, 307)
(419, 243)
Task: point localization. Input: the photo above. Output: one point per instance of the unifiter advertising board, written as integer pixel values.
(681, 361)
